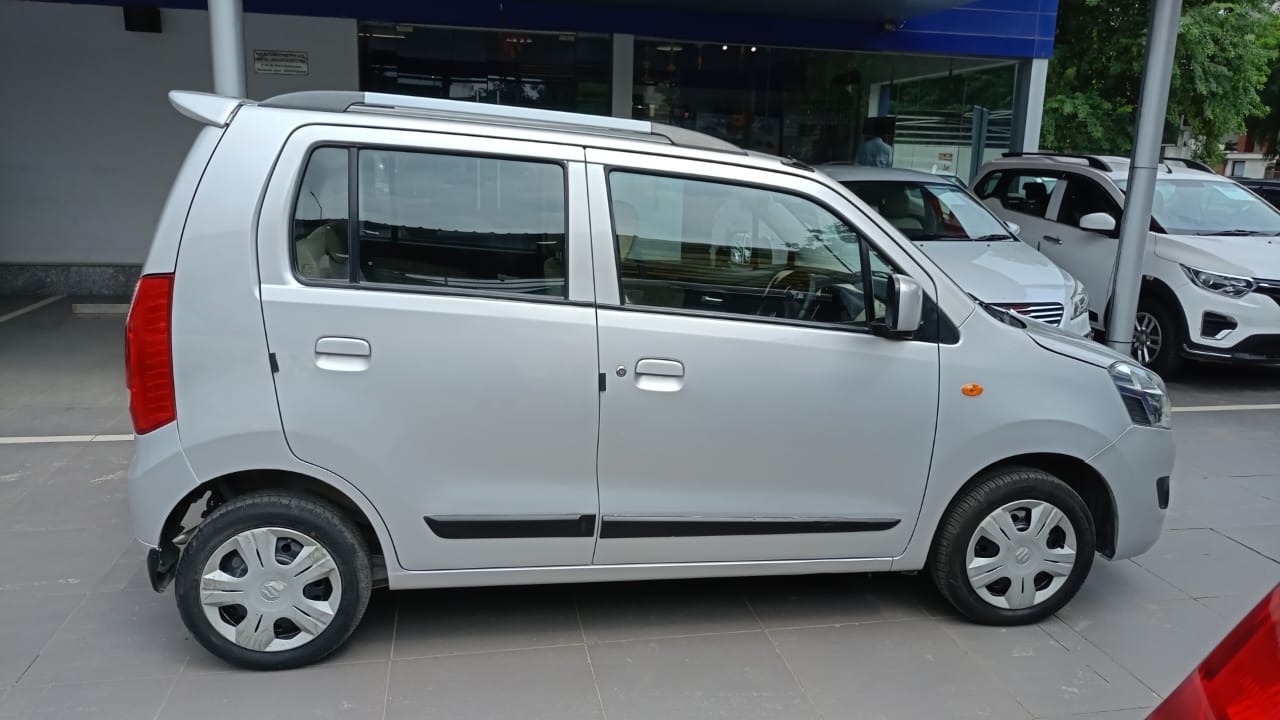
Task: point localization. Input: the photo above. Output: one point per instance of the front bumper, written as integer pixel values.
(1137, 467)
(1261, 350)
(1230, 330)
(1079, 327)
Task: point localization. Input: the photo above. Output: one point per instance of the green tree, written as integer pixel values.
(1225, 54)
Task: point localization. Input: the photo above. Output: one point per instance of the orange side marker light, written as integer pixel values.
(971, 390)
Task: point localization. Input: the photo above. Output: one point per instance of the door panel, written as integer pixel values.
(1089, 256)
(768, 426)
(466, 411)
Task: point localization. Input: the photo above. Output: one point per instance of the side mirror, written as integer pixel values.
(1014, 228)
(1098, 222)
(903, 307)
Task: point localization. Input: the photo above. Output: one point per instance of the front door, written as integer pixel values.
(1087, 255)
(748, 413)
(435, 338)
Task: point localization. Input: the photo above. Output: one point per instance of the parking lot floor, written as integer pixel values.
(83, 636)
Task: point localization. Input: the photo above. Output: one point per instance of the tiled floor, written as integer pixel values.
(83, 636)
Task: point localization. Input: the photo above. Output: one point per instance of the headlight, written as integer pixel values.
(1229, 285)
(1143, 393)
(1079, 300)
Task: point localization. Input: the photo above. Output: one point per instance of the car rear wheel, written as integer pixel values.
(273, 581)
(1013, 549)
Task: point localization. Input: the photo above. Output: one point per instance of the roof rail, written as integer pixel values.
(1094, 162)
(1189, 164)
(344, 101)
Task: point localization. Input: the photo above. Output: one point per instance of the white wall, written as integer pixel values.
(90, 142)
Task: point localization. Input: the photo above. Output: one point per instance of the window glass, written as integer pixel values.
(1191, 206)
(697, 245)
(1082, 197)
(1027, 193)
(931, 210)
(988, 184)
(462, 222)
(320, 217)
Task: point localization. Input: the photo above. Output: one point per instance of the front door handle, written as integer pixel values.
(349, 347)
(1053, 239)
(661, 368)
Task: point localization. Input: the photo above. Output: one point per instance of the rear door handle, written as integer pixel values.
(350, 347)
(1053, 239)
(660, 368)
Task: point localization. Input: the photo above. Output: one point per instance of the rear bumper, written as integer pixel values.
(1137, 467)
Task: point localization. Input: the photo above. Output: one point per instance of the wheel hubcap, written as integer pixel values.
(270, 589)
(1148, 338)
(1021, 554)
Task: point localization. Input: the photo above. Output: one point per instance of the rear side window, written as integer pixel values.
(1025, 192)
(320, 217)
(434, 220)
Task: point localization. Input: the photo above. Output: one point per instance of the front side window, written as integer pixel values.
(1026, 193)
(455, 221)
(706, 246)
(931, 210)
(320, 217)
(1084, 197)
(1191, 206)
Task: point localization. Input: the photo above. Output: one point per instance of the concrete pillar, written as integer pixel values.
(1028, 105)
(620, 82)
(226, 35)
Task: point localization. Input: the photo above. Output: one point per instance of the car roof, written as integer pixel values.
(1114, 167)
(847, 172)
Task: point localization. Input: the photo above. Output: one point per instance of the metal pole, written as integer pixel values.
(1162, 38)
(226, 35)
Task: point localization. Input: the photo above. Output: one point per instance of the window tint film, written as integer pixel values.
(1083, 197)
(463, 222)
(705, 246)
(1027, 193)
(320, 217)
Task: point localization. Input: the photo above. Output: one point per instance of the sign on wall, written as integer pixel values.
(280, 62)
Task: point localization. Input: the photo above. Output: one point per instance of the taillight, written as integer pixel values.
(148, 354)
(1240, 680)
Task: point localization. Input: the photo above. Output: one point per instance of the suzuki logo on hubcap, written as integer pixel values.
(1022, 555)
(272, 590)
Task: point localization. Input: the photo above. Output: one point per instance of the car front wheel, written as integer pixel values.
(1013, 549)
(273, 581)
(1157, 337)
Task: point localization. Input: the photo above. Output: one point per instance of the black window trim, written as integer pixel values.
(1002, 187)
(924, 335)
(353, 194)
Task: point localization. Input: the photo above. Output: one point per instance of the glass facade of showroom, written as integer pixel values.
(813, 105)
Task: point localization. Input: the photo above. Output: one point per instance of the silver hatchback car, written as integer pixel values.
(386, 340)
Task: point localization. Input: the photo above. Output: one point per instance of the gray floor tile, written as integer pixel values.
(1123, 581)
(124, 700)
(59, 561)
(1217, 502)
(115, 636)
(442, 622)
(839, 599)
(346, 691)
(45, 420)
(27, 623)
(1268, 486)
(909, 669)
(735, 676)
(91, 490)
(629, 611)
(1264, 539)
(1230, 443)
(1204, 563)
(1049, 676)
(1232, 608)
(24, 466)
(1158, 642)
(542, 684)
(129, 572)
(1139, 713)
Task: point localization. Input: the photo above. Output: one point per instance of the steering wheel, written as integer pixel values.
(799, 290)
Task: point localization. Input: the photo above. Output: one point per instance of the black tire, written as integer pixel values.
(1169, 323)
(947, 562)
(302, 514)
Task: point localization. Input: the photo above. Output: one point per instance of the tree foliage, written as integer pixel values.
(1225, 54)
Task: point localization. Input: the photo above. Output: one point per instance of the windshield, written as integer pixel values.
(1190, 206)
(930, 210)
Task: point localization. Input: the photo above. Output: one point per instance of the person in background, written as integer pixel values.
(877, 149)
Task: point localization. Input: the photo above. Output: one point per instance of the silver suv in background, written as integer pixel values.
(977, 249)
(1211, 274)
(401, 341)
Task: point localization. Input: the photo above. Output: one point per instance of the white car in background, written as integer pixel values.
(977, 249)
(1211, 273)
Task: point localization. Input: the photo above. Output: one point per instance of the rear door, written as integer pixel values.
(428, 302)
(1023, 196)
